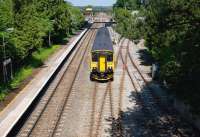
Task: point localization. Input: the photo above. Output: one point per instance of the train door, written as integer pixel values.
(102, 63)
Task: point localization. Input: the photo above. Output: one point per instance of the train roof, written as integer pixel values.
(103, 40)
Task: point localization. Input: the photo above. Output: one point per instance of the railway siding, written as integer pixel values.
(168, 115)
(166, 97)
(13, 112)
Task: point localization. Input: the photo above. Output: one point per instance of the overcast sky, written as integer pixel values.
(92, 2)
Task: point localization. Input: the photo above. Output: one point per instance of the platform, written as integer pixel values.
(18, 106)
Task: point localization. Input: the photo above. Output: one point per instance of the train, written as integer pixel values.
(102, 57)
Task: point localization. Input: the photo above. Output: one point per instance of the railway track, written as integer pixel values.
(44, 120)
(100, 115)
(151, 104)
(140, 100)
(180, 127)
(93, 110)
(66, 99)
(114, 109)
(59, 107)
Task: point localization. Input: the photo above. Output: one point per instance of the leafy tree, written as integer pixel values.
(63, 19)
(77, 18)
(6, 14)
(128, 4)
(30, 30)
(33, 20)
(128, 25)
(171, 32)
(6, 21)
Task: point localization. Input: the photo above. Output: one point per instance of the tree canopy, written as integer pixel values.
(171, 32)
(32, 21)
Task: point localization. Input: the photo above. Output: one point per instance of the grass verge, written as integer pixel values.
(35, 61)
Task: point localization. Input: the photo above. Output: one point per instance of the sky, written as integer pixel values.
(92, 2)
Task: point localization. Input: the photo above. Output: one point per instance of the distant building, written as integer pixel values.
(88, 11)
(135, 13)
(88, 14)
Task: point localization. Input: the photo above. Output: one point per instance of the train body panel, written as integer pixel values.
(102, 63)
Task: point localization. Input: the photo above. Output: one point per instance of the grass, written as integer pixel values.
(44, 53)
(3, 95)
(35, 61)
(21, 75)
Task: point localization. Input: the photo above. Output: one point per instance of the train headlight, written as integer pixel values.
(110, 69)
(94, 69)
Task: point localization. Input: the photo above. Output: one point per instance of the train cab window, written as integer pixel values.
(94, 57)
(110, 57)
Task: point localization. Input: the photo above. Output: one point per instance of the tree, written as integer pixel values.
(77, 18)
(173, 38)
(128, 4)
(33, 21)
(6, 21)
(170, 30)
(6, 14)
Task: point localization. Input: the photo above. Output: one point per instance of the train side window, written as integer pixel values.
(110, 57)
(94, 57)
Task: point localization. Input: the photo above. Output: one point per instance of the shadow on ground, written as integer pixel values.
(145, 56)
(147, 118)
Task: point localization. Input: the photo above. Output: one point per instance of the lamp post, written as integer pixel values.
(5, 60)
(49, 38)
(4, 47)
(124, 4)
(4, 44)
(52, 22)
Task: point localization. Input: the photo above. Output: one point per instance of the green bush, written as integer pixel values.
(35, 61)
(170, 72)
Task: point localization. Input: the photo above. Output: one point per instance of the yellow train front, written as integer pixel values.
(102, 57)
